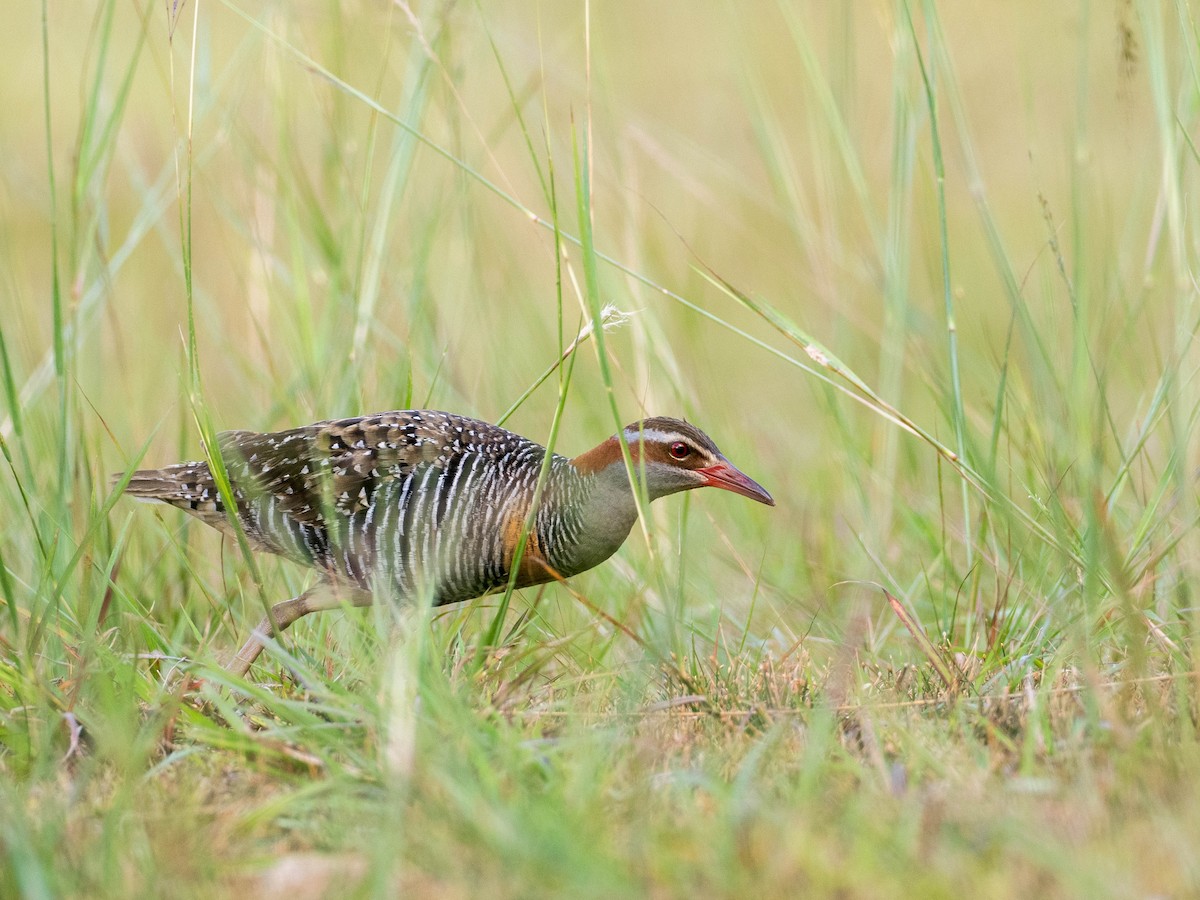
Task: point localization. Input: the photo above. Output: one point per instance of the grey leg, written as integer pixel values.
(315, 599)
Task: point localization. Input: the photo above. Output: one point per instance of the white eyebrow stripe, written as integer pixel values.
(651, 435)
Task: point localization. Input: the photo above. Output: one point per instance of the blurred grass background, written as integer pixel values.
(355, 205)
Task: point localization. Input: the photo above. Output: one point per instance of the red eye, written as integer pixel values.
(679, 450)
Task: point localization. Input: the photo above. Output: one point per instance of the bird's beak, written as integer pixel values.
(728, 477)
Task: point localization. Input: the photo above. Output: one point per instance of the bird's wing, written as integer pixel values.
(336, 466)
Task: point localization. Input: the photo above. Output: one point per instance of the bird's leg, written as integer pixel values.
(315, 599)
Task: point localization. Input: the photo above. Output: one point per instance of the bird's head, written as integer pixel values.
(674, 456)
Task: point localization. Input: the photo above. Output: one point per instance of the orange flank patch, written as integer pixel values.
(532, 570)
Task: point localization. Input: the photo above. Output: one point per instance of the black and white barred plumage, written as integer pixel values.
(426, 504)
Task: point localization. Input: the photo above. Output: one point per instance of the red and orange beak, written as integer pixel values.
(728, 477)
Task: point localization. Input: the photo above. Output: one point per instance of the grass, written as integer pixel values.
(928, 274)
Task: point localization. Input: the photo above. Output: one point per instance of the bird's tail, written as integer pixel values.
(185, 485)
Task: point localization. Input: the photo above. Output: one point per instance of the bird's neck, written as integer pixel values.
(596, 507)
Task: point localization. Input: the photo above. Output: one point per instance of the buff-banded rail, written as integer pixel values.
(425, 504)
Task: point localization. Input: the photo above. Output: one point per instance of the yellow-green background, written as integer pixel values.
(1023, 726)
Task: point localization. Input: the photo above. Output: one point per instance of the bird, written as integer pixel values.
(424, 504)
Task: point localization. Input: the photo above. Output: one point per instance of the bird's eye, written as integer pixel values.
(679, 450)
